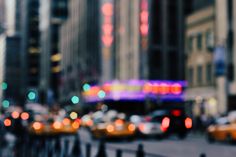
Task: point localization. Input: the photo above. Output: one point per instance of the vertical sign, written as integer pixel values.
(107, 38)
(144, 29)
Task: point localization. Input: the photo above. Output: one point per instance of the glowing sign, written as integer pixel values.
(107, 27)
(140, 89)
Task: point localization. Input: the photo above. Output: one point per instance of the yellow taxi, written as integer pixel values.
(113, 129)
(54, 127)
(222, 130)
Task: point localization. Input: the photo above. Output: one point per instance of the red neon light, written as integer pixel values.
(106, 88)
(107, 9)
(107, 40)
(144, 29)
(144, 17)
(147, 88)
(107, 29)
(164, 89)
(144, 5)
(176, 89)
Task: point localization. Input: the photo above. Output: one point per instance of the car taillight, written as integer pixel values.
(56, 125)
(110, 128)
(131, 127)
(148, 118)
(188, 123)
(141, 127)
(24, 116)
(15, 114)
(176, 113)
(7, 122)
(37, 125)
(165, 124)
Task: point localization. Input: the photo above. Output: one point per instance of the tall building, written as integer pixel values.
(126, 39)
(166, 38)
(2, 15)
(199, 46)
(11, 72)
(30, 46)
(52, 14)
(79, 48)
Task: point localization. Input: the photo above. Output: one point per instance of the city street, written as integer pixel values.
(192, 146)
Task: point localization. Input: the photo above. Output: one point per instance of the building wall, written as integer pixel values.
(80, 48)
(2, 61)
(127, 39)
(166, 39)
(200, 43)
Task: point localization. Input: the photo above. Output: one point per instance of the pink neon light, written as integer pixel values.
(107, 29)
(144, 29)
(107, 9)
(107, 40)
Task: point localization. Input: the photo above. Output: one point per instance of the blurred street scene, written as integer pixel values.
(117, 78)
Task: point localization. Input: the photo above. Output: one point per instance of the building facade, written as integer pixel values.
(199, 70)
(30, 46)
(166, 38)
(52, 14)
(126, 40)
(80, 48)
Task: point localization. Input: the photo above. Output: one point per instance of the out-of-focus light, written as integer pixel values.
(24, 116)
(101, 94)
(66, 121)
(5, 103)
(75, 99)
(4, 85)
(107, 40)
(75, 125)
(37, 125)
(7, 122)
(86, 87)
(144, 29)
(31, 95)
(57, 125)
(165, 124)
(15, 114)
(107, 9)
(110, 128)
(131, 127)
(176, 89)
(56, 57)
(188, 123)
(73, 115)
(56, 69)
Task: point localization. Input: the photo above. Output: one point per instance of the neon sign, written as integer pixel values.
(138, 89)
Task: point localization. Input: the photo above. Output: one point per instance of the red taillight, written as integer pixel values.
(148, 118)
(188, 123)
(7, 122)
(141, 127)
(176, 113)
(165, 124)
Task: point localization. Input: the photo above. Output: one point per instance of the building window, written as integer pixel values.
(199, 75)
(209, 40)
(209, 73)
(190, 76)
(199, 41)
(190, 44)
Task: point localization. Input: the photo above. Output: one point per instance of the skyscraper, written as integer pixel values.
(52, 14)
(166, 38)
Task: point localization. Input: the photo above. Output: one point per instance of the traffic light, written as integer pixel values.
(75, 99)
